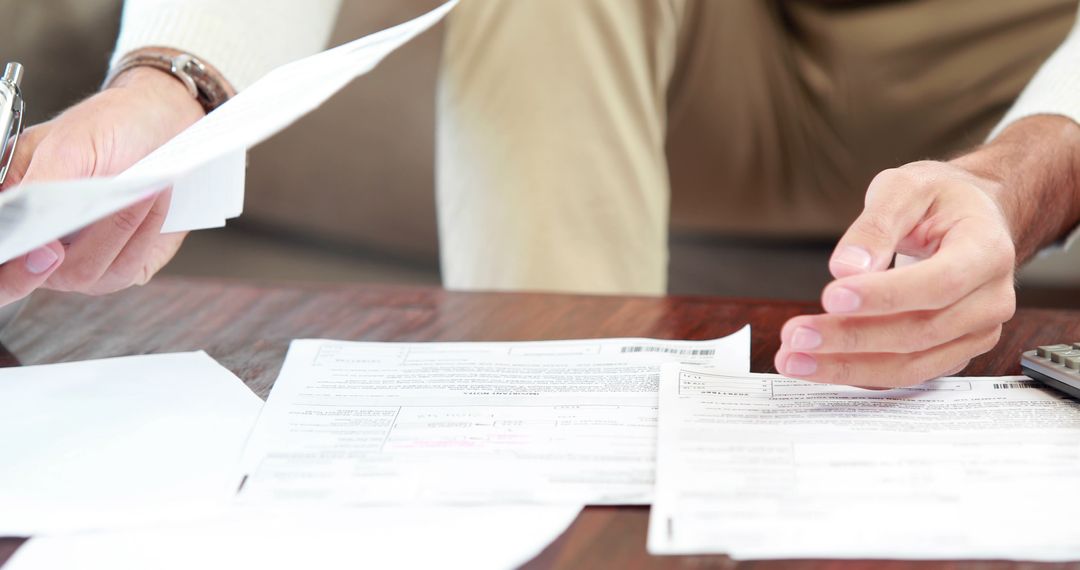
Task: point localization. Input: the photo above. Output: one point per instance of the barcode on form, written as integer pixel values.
(1010, 385)
(669, 350)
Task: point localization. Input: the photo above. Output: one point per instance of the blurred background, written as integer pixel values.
(352, 200)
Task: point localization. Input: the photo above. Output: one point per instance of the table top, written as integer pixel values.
(247, 327)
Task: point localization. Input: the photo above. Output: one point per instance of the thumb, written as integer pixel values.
(895, 204)
(19, 277)
(25, 147)
(61, 155)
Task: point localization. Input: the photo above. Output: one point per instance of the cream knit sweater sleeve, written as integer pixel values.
(1055, 89)
(243, 39)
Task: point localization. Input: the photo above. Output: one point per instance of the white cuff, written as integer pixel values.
(243, 39)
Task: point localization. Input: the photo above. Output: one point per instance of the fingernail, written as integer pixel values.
(854, 256)
(800, 365)
(805, 338)
(40, 260)
(841, 300)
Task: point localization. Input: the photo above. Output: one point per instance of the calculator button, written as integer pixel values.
(1046, 351)
(1059, 357)
(1072, 362)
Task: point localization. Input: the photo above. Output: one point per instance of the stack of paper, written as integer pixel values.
(132, 463)
(565, 422)
(761, 466)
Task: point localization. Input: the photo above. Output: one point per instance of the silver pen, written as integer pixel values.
(11, 114)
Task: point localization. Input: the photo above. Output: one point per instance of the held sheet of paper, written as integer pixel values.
(553, 422)
(761, 466)
(204, 164)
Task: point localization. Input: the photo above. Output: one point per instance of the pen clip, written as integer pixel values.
(13, 136)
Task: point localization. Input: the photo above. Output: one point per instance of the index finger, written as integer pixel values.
(892, 210)
(970, 255)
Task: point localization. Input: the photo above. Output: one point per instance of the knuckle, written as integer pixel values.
(997, 248)
(948, 287)
(1005, 307)
(103, 145)
(907, 379)
(887, 299)
(155, 217)
(103, 287)
(852, 338)
(842, 371)
(76, 277)
(892, 178)
(901, 179)
(918, 372)
(990, 340)
(925, 165)
(144, 275)
(929, 331)
(955, 369)
(127, 220)
(1006, 256)
(69, 149)
(875, 226)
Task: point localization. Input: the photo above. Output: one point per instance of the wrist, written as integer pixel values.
(158, 85)
(203, 81)
(1034, 172)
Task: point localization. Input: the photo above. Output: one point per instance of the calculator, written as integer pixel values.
(1056, 365)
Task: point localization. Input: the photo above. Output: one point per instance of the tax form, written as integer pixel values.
(556, 422)
(205, 163)
(119, 442)
(761, 466)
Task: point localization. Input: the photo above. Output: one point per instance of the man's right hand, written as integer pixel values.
(102, 136)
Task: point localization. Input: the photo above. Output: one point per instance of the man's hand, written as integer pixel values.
(956, 230)
(102, 136)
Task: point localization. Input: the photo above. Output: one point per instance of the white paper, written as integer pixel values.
(562, 422)
(448, 537)
(120, 441)
(34, 214)
(209, 195)
(761, 466)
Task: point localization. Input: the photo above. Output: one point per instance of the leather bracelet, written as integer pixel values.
(203, 82)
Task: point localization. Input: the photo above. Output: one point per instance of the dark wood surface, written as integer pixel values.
(247, 327)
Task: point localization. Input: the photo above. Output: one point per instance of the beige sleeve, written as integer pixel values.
(1055, 89)
(243, 39)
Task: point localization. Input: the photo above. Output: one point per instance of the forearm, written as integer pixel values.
(243, 39)
(1036, 165)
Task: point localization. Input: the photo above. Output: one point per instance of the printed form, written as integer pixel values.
(762, 466)
(554, 422)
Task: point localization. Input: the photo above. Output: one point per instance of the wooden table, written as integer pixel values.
(247, 328)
